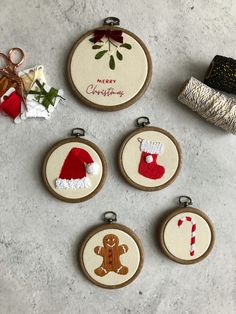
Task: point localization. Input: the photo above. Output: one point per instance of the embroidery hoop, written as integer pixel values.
(77, 139)
(109, 224)
(143, 127)
(171, 215)
(108, 24)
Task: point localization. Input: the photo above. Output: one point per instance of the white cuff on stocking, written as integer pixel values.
(151, 147)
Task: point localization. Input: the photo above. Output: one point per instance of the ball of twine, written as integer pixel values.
(215, 107)
(221, 74)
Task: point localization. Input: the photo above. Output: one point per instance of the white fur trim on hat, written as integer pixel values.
(92, 168)
(73, 183)
(151, 147)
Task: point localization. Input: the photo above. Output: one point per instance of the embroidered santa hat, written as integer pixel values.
(77, 165)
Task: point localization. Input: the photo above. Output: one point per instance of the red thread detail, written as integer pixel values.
(188, 218)
(12, 105)
(180, 222)
(194, 227)
(192, 240)
(192, 253)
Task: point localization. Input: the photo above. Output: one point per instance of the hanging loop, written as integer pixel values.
(110, 217)
(77, 132)
(111, 21)
(142, 121)
(185, 201)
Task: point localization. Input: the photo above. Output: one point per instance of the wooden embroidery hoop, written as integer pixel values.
(146, 128)
(115, 226)
(112, 107)
(178, 211)
(76, 140)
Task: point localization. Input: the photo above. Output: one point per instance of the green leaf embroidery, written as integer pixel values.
(119, 55)
(92, 40)
(127, 46)
(112, 63)
(100, 54)
(102, 44)
(96, 47)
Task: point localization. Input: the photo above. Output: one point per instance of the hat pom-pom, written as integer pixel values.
(92, 168)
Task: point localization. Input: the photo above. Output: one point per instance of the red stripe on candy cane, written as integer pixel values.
(193, 232)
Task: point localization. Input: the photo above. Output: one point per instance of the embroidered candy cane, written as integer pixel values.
(193, 232)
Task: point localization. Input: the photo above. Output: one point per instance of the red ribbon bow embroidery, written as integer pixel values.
(116, 35)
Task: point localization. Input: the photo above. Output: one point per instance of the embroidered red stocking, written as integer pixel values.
(148, 166)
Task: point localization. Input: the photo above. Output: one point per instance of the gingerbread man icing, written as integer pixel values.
(111, 256)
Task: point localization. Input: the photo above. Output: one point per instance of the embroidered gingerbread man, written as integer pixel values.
(111, 256)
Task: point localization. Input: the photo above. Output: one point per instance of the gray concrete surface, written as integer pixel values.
(39, 235)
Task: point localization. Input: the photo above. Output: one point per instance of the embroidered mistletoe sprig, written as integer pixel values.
(114, 38)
